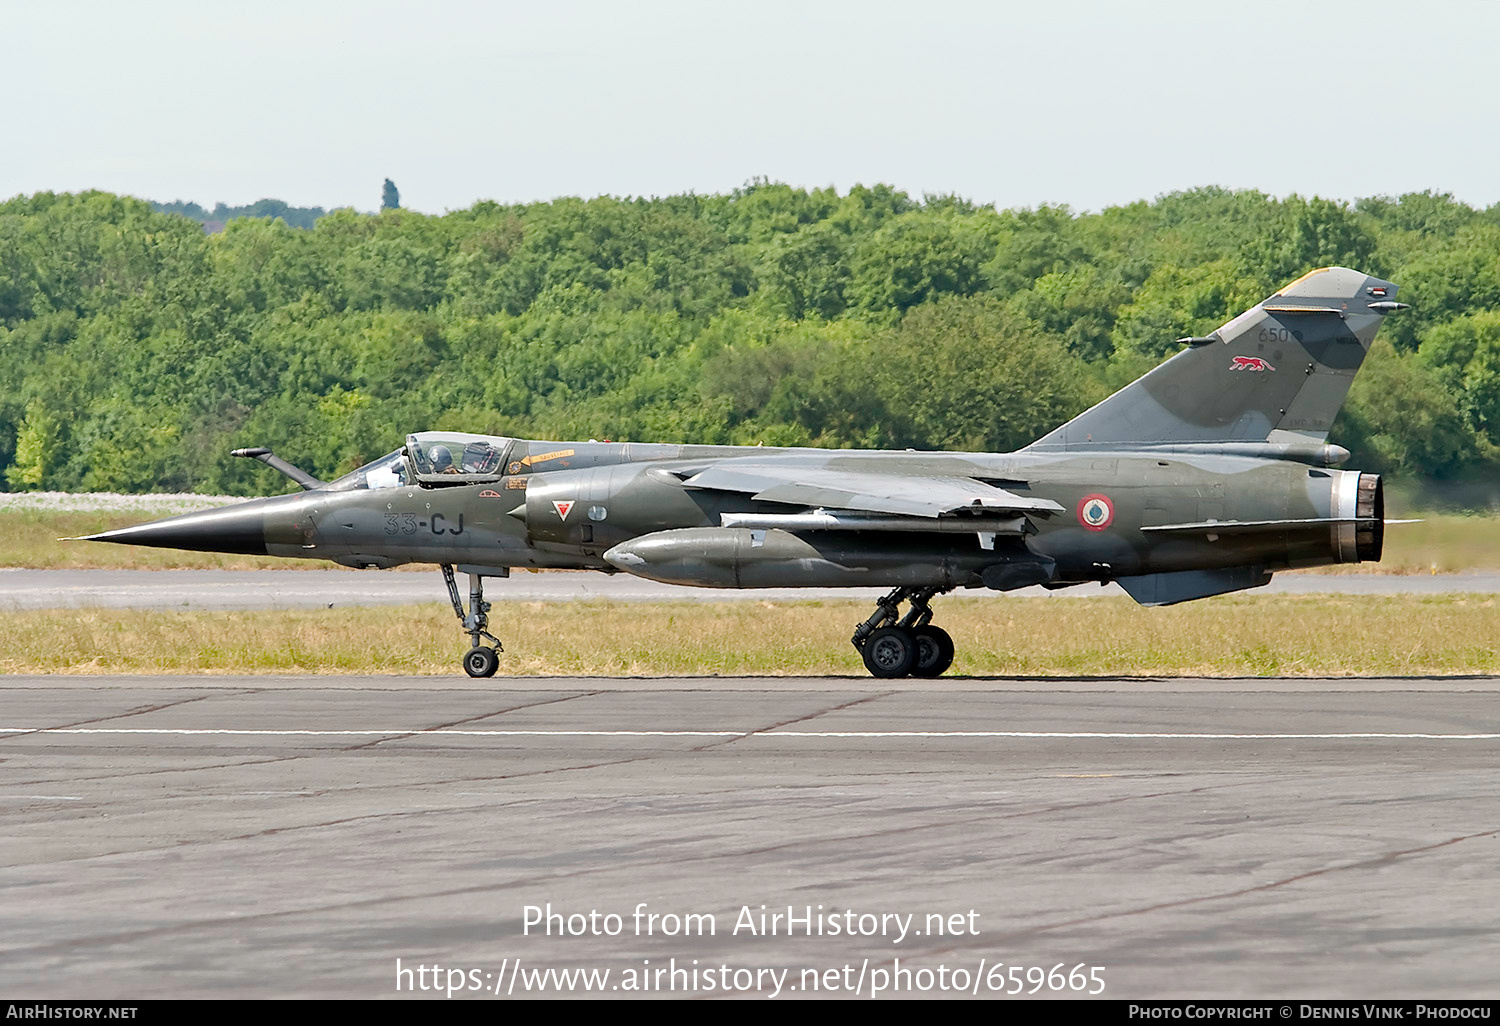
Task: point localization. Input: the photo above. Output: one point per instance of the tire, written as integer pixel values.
(890, 652)
(481, 662)
(934, 652)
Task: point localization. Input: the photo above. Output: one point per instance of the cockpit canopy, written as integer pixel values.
(433, 458)
(451, 457)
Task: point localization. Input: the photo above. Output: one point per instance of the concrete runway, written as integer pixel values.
(290, 589)
(266, 837)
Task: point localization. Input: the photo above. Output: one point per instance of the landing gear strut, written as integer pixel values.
(479, 661)
(897, 646)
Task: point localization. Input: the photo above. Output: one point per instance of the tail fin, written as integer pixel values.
(1272, 379)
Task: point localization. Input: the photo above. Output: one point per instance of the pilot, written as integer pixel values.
(442, 460)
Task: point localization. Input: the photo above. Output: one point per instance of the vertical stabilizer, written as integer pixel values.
(1278, 374)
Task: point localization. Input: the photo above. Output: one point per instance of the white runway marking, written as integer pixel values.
(407, 732)
(45, 797)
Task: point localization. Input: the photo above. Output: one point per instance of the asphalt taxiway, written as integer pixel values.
(262, 837)
(291, 589)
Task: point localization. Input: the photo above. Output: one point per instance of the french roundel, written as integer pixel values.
(1096, 512)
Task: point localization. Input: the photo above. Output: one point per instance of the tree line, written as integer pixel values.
(135, 350)
(222, 213)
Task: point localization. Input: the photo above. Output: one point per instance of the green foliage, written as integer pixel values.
(920, 255)
(1401, 419)
(806, 274)
(1464, 353)
(37, 447)
(787, 383)
(1447, 278)
(1178, 301)
(135, 350)
(966, 373)
(1304, 234)
(1031, 244)
(296, 217)
(1430, 214)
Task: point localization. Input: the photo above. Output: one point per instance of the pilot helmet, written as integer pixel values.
(441, 457)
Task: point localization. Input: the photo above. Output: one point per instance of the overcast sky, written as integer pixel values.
(1090, 104)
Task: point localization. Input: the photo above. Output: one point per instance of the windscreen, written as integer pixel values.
(390, 471)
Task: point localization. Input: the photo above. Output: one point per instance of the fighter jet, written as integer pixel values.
(1203, 477)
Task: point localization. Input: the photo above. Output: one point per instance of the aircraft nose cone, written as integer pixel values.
(240, 528)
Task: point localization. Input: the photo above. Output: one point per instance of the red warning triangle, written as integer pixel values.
(563, 508)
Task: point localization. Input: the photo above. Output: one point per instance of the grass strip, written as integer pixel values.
(1230, 636)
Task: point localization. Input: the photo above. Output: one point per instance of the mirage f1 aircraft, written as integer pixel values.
(1203, 477)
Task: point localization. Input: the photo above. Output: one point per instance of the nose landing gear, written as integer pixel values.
(896, 646)
(479, 661)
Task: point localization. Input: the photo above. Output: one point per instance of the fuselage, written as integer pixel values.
(568, 504)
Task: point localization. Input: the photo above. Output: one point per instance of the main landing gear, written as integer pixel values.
(479, 661)
(897, 646)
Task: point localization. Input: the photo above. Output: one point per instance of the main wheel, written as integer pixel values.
(890, 652)
(481, 662)
(934, 652)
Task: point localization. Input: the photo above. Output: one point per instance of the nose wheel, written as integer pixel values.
(896, 646)
(480, 660)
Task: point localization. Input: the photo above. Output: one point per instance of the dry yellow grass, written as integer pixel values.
(1305, 635)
